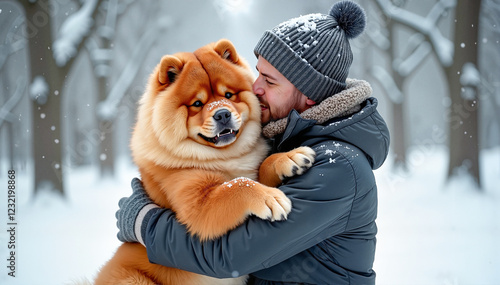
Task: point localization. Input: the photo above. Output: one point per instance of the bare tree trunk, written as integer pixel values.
(46, 105)
(463, 114)
(106, 155)
(46, 109)
(106, 147)
(398, 134)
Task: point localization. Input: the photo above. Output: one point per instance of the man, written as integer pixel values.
(306, 100)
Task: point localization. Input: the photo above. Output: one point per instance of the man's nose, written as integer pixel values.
(257, 90)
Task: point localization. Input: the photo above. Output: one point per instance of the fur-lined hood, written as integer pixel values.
(350, 116)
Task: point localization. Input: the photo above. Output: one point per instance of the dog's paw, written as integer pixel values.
(273, 205)
(296, 162)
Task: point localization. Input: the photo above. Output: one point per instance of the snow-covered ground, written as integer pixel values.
(433, 232)
(430, 232)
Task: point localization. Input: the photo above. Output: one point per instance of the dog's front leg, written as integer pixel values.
(278, 166)
(210, 204)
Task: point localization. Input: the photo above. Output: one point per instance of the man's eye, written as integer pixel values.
(269, 82)
(197, 104)
(228, 95)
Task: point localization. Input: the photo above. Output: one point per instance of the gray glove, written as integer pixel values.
(131, 213)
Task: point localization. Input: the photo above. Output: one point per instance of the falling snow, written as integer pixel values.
(405, 199)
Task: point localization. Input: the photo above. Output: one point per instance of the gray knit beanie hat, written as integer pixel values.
(313, 51)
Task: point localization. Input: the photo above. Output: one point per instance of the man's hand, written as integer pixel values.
(131, 213)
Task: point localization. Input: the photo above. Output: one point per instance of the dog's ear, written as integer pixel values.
(226, 50)
(170, 68)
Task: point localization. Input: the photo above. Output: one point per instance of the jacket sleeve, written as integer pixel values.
(321, 203)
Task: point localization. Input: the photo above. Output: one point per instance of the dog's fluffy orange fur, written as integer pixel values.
(198, 147)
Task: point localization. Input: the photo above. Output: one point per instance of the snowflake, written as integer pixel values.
(332, 160)
(329, 152)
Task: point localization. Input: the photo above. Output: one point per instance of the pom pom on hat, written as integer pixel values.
(350, 17)
(313, 51)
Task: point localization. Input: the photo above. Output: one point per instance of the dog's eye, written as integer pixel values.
(197, 104)
(228, 95)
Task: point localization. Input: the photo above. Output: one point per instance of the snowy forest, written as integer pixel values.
(72, 71)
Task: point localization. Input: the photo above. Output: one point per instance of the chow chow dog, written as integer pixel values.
(198, 147)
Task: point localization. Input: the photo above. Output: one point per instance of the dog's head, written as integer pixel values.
(199, 106)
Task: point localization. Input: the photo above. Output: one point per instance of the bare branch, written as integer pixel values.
(107, 109)
(410, 63)
(379, 39)
(73, 33)
(442, 46)
(387, 82)
(439, 9)
(5, 111)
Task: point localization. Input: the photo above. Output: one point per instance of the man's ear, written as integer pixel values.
(310, 102)
(170, 68)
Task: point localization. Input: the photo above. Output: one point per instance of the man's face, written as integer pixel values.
(276, 94)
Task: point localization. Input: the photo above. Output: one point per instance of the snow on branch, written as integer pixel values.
(386, 80)
(470, 79)
(72, 33)
(379, 38)
(5, 111)
(442, 46)
(407, 66)
(39, 90)
(106, 110)
(7, 49)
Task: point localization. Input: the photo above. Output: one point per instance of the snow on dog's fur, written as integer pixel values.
(198, 147)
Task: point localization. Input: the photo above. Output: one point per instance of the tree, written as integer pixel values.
(110, 98)
(102, 54)
(463, 81)
(51, 58)
(458, 60)
(8, 120)
(405, 57)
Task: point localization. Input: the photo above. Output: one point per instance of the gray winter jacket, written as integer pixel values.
(329, 237)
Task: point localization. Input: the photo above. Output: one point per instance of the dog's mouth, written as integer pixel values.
(225, 137)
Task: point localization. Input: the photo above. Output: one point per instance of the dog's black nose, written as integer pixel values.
(222, 116)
